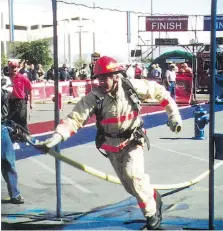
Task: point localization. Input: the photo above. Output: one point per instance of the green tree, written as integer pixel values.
(35, 52)
(3, 59)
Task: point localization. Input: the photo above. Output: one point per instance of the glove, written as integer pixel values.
(175, 123)
(49, 143)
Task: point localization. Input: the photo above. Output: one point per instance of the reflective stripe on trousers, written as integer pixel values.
(129, 167)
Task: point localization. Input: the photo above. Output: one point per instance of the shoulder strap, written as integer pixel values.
(99, 139)
(98, 109)
(129, 89)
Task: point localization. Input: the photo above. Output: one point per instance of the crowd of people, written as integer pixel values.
(36, 73)
(166, 77)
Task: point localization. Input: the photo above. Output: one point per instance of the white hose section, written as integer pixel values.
(116, 180)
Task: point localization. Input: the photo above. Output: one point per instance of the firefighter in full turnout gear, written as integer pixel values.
(119, 124)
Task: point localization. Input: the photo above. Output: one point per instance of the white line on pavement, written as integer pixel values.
(172, 142)
(180, 153)
(62, 176)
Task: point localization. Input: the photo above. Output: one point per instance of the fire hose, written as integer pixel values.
(92, 171)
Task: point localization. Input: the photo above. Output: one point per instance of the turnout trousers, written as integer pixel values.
(129, 167)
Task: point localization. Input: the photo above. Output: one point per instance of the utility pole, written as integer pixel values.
(151, 31)
(11, 20)
(65, 42)
(2, 20)
(80, 42)
(94, 29)
(128, 35)
(69, 43)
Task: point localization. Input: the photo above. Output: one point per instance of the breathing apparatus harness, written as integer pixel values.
(138, 132)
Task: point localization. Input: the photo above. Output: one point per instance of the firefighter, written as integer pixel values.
(120, 133)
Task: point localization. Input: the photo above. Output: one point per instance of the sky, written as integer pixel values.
(110, 27)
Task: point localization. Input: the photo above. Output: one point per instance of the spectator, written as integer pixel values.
(64, 74)
(138, 72)
(32, 73)
(50, 74)
(7, 152)
(7, 79)
(17, 102)
(73, 74)
(83, 73)
(185, 69)
(144, 71)
(171, 81)
(20, 66)
(40, 72)
(155, 72)
(6, 70)
(91, 67)
(24, 69)
(159, 70)
(176, 69)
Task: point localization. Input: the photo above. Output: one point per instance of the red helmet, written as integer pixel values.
(13, 64)
(106, 65)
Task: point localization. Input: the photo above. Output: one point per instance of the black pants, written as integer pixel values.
(18, 112)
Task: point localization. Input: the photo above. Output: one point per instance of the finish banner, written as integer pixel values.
(167, 23)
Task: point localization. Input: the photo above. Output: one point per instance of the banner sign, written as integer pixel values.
(167, 23)
(175, 60)
(166, 41)
(207, 23)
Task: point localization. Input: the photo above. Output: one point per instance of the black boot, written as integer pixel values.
(155, 221)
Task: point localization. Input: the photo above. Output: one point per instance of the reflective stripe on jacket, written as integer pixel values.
(118, 112)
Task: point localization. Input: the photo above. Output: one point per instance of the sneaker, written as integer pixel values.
(154, 222)
(17, 200)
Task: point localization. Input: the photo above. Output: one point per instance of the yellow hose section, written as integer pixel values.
(116, 180)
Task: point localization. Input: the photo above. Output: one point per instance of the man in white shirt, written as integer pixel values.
(171, 80)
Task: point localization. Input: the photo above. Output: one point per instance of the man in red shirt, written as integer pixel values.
(17, 102)
(138, 72)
